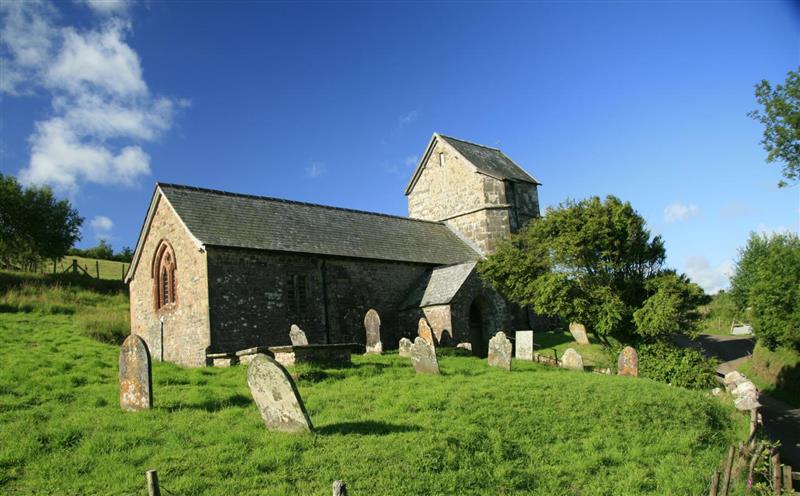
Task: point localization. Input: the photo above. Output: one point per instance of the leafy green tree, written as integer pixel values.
(767, 279)
(584, 261)
(103, 251)
(671, 308)
(34, 225)
(781, 120)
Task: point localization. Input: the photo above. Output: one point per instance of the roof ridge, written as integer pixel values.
(295, 202)
(470, 143)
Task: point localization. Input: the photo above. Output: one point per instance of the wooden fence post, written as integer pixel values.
(726, 471)
(152, 483)
(97, 267)
(776, 472)
(122, 277)
(714, 484)
(339, 488)
(787, 479)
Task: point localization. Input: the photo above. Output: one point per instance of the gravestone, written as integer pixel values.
(578, 332)
(524, 342)
(276, 396)
(372, 324)
(572, 360)
(297, 336)
(423, 357)
(464, 346)
(135, 375)
(628, 362)
(405, 347)
(424, 331)
(500, 351)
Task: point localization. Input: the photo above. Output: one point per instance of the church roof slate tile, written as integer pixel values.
(438, 286)
(490, 161)
(219, 218)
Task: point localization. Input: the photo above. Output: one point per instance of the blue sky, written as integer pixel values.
(333, 103)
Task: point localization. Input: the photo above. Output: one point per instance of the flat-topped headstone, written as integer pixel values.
(464, 346)
(405, 347)
(524, 342)
(135, 375)
(578, 332)
(423, 357)
(500, 351)
(372, 324)
(297, 336)
(571, 359)
(628, 362)
(276, 396)
(424, 331)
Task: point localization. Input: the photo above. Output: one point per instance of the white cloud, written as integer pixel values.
(711, 279)
(676, 212)
(101, 223)
(408, 118)
(765, 230)
(316, 169)
(108, 7)
(102, 108)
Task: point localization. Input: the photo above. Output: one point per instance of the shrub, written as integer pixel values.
(682, 367)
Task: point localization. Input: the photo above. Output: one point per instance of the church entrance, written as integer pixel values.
(476, 329)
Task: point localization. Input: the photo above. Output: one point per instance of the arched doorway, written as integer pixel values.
(477, 326)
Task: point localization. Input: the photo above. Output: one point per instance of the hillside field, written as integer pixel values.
(379, 426)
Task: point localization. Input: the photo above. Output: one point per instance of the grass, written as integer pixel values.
(378, 426)
(594, 354)
(775, 372)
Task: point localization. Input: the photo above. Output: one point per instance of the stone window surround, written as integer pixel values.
(164, 263)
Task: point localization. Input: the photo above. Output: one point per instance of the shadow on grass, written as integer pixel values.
(551, 339)
(367, 427)
(213, 405)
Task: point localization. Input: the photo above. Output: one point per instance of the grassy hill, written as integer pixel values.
(108, 269)
(379, 426)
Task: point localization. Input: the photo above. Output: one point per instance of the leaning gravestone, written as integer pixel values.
(571, 359)
(135, 375)
(405, 347)
(424, 331)
(372, 323)
(423, 357)
(276, 396)
(297, 336)
(500, 351)
(628, 362)
(524, 345)
(578, 332)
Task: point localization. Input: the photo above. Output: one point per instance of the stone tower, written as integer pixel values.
(476, 190)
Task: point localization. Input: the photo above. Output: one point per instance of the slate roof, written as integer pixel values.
(490, 161)
(220, 218)
(438, 286)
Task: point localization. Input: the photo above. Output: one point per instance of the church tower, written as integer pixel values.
(476, 190)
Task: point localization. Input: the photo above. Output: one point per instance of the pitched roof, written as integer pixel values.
(438, 286)
(220, 218)
(487, 160)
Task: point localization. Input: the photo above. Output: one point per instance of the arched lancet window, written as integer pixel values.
(164, 276)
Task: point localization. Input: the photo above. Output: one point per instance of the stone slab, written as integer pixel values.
(571, 359)
(524, 343)
(628, 362)
(578, 332)
(500, 351)
(404, 348)
(372, 326)
(423, 357)
(135, 375)
(425, 332)
(276, 396)
(297, 336)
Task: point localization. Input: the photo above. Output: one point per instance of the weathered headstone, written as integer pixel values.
(276, 396)
(524, 342)
(578, 332)
(628, 362)
(423, 357)
(372, 324)
(135, 375)
(424, 331)
(500, 351)
(464, 346)
(405, 347)
(571, 359)
(297, 336)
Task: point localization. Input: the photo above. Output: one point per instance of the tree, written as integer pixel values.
(34, 225)
(767, 279)
(781, 120)
(584, 261)
(671, 308)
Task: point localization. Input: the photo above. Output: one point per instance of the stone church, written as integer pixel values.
(217, 272)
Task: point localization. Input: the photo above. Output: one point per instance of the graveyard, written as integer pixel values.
(378, 425)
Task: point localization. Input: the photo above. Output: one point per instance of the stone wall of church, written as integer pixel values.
(179, 333)
(252, 297)
(484, 228)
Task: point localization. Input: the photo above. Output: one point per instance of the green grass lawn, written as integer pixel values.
(593, 354)
(379, 426)
(109, 269)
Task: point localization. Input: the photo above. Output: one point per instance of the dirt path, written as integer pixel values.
(781, 421)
